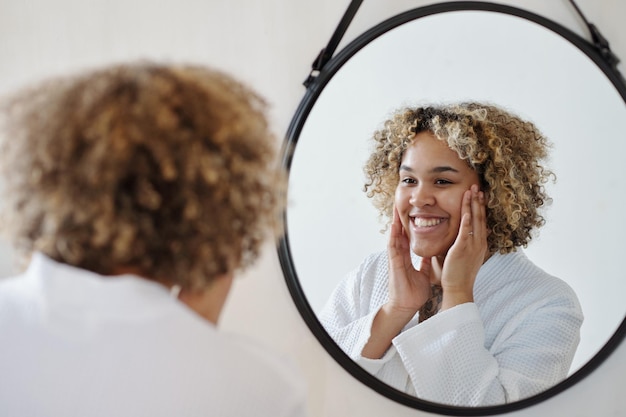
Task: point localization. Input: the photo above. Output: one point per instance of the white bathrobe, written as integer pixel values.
(515, 340)
(77, 344)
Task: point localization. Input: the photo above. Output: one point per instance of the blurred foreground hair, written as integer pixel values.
(166, 169)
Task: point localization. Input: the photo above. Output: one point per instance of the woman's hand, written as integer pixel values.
(409, 288)
(467, 253)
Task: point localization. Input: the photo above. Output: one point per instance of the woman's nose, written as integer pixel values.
(422, 196)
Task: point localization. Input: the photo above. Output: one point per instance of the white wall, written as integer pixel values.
(270, 44)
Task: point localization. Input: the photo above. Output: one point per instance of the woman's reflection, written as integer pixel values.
(453, 311)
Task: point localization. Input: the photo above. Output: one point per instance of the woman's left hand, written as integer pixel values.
(467, 253)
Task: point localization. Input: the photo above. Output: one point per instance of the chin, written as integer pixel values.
(424, 253)
(428, 252)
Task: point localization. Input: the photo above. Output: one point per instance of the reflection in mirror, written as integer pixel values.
(469, 56)
(473, 321)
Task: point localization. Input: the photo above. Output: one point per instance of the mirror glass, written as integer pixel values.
(479, 56)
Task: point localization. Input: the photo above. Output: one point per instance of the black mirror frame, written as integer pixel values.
(314, 88)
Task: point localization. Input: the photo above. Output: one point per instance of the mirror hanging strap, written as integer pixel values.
(599, 41)
(326, 53)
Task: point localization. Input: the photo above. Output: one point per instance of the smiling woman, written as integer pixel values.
(545, 75)
(499, 328)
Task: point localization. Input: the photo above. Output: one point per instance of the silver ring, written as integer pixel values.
(471, 233)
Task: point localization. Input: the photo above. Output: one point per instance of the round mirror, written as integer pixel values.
(450, 53)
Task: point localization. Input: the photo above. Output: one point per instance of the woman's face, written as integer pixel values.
(428, 197)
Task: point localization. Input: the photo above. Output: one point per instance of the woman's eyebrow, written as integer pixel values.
(435, 170)
(443, 169)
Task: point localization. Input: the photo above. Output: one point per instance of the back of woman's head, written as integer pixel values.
(165, 169)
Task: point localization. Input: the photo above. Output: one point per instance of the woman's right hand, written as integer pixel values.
(409, 288)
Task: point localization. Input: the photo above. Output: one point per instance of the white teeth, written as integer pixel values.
(421, 222)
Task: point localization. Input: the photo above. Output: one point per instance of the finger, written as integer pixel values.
(436, 271)
(396, 224)
(397, 237)
(479, 216)
(466, 204)
(425, 266)
(465, 228)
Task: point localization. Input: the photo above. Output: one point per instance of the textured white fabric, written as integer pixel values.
(515, 340)
(76, 344)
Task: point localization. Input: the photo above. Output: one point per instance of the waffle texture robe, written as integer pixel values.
(76, 344)
(515, 340)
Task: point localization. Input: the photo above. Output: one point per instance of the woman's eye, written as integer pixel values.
(408, 181)
(442, 182)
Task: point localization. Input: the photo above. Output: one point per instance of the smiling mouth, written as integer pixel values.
(422, 222)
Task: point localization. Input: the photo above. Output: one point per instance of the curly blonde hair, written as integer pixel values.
(506, 152)
(167, 169)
